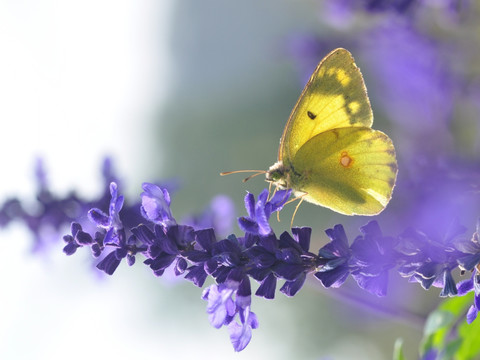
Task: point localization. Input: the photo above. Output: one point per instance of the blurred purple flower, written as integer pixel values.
(471, 249)
(430, 261)
(50, 211)
(219, 215)
(413, 81)
(373, 255)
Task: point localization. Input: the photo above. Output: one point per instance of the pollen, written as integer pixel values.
(345, 160)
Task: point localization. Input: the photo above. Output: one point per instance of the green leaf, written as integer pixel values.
(398, 350)
(447, 331)
(470, 336)
(436, 330)
(451, 349)
(457, 305)
(437, 320)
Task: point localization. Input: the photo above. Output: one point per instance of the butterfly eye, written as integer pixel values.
(276, 172)
(274, 175)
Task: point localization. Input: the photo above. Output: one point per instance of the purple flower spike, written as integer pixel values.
(156, 205)
(194, 253)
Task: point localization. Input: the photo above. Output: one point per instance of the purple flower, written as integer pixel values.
(259, 213)
(413, 80)
(51, 212)
(111, 222)
(241, 333)
(471, 249)
(127, 248)
(156, 205)
(431, 354)
(224, 304)
(219, 215)
(399, 6)
(295, 259)
(470, 262)
(465, 287)
(204, 262)
(78, 238)
(427, 257)
(430, 261)
(405, 8)
(113, 235)
(221, 305)
(373, 255)
(335, 256)
(167, 246)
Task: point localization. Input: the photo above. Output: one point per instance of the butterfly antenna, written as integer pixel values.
(257, 172)
(253, 175)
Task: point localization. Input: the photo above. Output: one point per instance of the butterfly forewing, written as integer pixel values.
(334, 97)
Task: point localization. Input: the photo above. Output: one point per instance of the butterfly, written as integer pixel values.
(329, 155)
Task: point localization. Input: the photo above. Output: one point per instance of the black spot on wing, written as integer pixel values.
(311, 115)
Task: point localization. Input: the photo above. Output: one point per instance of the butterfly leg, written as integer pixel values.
(296, 208)
(301, 198)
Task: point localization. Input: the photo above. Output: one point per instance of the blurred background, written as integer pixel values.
(182, 90)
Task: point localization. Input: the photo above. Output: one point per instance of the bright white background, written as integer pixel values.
(78, 79)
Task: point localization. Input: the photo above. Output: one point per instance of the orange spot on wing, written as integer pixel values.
(345, 160)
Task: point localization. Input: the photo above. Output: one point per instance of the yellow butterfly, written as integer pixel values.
(329, 155)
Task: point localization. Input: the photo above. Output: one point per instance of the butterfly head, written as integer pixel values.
(277, 174)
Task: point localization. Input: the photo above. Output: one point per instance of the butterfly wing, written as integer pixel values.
(334, 97)
(351, 170)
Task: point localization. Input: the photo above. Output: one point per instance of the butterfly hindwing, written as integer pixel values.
(350, 170)
(334, 97)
